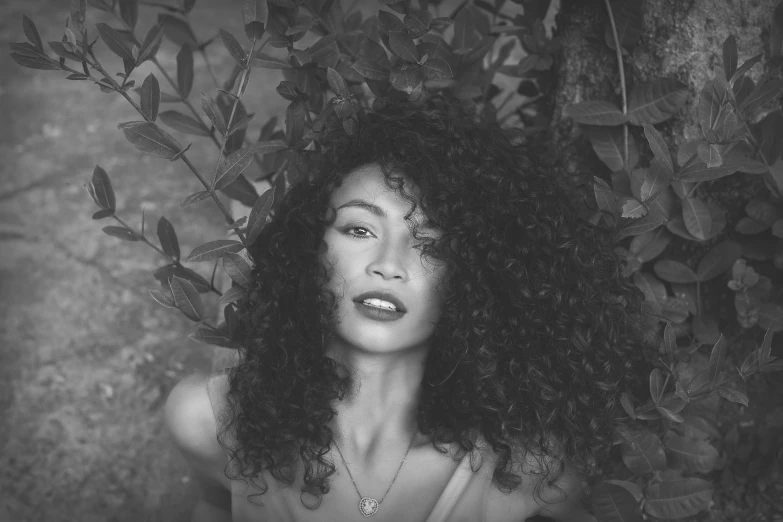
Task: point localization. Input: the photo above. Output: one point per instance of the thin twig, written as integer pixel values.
(226, 213)
(154, 247)
(619, 51)
(171, 81)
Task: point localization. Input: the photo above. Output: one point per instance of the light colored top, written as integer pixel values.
(468, 496)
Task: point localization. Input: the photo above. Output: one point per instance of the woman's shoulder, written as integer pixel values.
(189, 415)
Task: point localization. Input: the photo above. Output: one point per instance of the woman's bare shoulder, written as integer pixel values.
(190, 419)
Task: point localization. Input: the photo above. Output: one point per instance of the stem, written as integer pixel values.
(245, 74)
(619, 51)
(226, 213)
(169, 79)
(161, 252)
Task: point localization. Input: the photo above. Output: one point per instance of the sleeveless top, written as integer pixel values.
(464, 499)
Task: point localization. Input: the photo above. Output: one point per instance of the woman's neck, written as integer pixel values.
(378, 412)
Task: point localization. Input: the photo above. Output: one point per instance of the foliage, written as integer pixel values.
(406, 52)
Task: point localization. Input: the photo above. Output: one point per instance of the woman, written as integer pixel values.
(433, 336)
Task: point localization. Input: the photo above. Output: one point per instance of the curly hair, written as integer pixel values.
(540, 331)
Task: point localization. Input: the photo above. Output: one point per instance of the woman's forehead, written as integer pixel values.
(368, 184)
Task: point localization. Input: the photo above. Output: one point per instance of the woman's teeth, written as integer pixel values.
(380, 304)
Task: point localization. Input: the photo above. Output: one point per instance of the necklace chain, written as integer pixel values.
(390, 485)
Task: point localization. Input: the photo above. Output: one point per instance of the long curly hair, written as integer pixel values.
(540, 331)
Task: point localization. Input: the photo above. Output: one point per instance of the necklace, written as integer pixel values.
(369, 506)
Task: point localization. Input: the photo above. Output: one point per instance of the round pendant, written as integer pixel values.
(368, 506)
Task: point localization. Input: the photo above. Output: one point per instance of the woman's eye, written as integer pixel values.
(349, 231)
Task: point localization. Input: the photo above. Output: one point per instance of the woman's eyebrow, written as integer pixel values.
(366, 205)
(378, 211)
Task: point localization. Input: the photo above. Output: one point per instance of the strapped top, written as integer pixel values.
(463, 499)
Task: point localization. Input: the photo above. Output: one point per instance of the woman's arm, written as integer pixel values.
(190, 420)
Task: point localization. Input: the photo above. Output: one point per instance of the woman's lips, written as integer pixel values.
(378, 314)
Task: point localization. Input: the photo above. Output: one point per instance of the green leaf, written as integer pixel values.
(165, 273)
(761, 95)
(370, 69)
(232, 295)
(78, 14)
(150, 97)
(129, 11)
(195, 198)
(656, 384)
(690, 453)
(656, 101)
(373, 51)
(607, 143)
(162, 299)
(742, 88)
(417, 23)
(258, 215)
(34, 63)
(325, 51)
(238, 270)
(466, 32)
(101, 190)
(149, 47)
(60, 50)
(677, 498)
(212, 111)
(183, 123)
(436, 69)
(254, 16)
(730, 56)
(114, 42)
(177, 30)
(697, 217)
(168, 238)
(595, 113)
(709, 154)
(645, 455)
(745, 67)
(122, 233)
(613, 503)
(213, 250)
(186, 298)
(149, 138)
(232, 166)
(185, 70)
(294, 123)
(31, 32)
(234, 47)
(337, 83)
(402, 45)
(698, 171)
(388, 22)
(405, 80)
(659, 148)
(206, 334)
(733, 395)
(268, 62)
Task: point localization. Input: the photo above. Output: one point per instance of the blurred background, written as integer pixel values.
(87, 358)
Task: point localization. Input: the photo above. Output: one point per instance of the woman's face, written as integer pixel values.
(371, 248)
